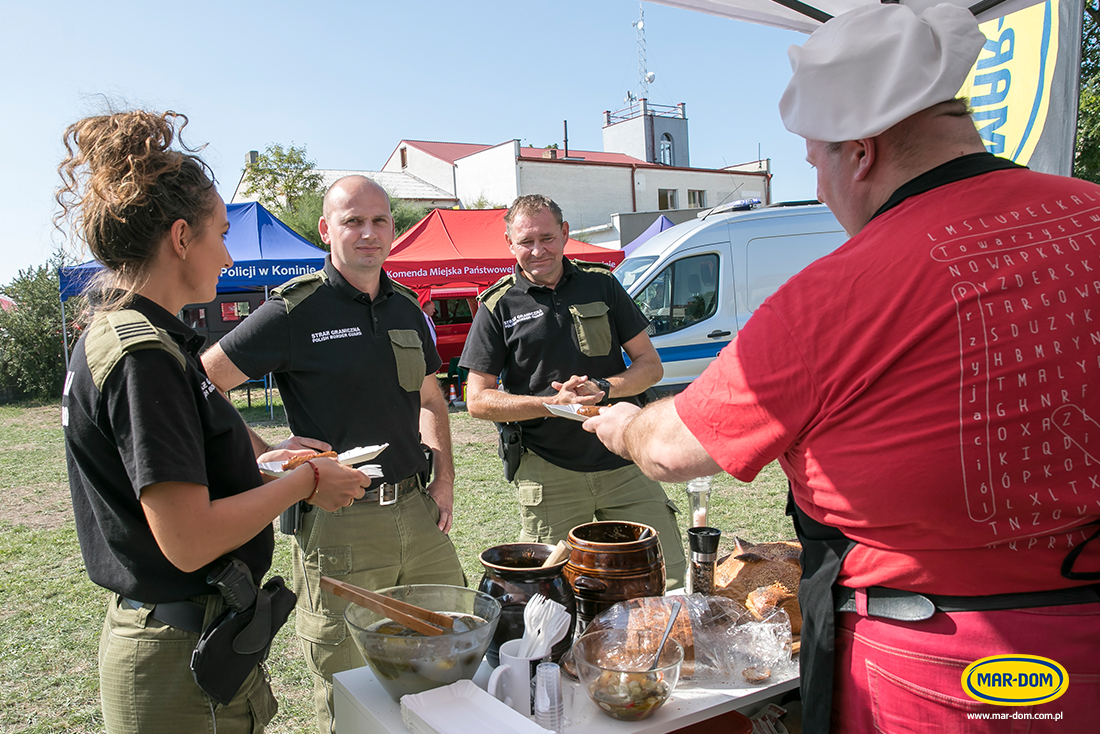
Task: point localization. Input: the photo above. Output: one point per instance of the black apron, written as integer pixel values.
(823, 552)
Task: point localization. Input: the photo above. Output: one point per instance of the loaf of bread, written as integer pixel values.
(297, 461)
(770, 572)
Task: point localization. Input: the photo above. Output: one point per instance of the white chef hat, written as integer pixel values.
(868, 69)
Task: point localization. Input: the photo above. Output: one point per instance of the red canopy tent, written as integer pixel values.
(466, 248)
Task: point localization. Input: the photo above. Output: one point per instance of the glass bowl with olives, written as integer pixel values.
(616, 668)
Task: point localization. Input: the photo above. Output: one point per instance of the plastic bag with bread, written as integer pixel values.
(762, 577)
(715, 633)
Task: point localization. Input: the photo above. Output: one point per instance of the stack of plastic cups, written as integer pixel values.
(549, 707)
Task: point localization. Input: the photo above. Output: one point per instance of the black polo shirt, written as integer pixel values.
(531, 336)
(154, 420)
(349, 369)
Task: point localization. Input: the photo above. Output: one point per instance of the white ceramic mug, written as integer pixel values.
(515, 678)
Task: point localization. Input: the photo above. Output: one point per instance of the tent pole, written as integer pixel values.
(64, 331)
(269, 396)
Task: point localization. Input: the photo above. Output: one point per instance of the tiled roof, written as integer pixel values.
(586, 156)
(449, 152)
(400, 185)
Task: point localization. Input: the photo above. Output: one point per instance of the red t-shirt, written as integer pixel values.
(932, 388)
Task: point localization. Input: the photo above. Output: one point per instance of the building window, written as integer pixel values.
(404, 157)
(697, 199)
(666, 199)
(664, 156)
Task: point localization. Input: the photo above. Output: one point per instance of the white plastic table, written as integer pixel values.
(364, 707)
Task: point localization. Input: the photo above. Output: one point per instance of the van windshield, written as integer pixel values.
(630, 269)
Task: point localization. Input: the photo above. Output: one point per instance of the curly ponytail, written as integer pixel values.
(123, 187)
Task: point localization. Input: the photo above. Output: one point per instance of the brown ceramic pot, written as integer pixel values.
(513, 574)
(611, 562)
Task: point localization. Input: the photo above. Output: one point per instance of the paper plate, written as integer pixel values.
(567, 411)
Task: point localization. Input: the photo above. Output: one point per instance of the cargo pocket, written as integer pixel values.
(261, 704)
(320, 629)
(529, 493)
(408, 354)
(593, 328)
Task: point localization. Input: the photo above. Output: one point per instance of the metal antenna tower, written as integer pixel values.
(644, 76)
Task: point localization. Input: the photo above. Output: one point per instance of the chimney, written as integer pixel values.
(683, 111)
(251, 157)
(550, 153)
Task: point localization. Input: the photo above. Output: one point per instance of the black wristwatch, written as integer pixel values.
(605, 386)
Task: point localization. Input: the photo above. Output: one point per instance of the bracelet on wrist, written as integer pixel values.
(316, 480)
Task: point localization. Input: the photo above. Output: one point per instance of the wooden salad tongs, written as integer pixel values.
(414, 617)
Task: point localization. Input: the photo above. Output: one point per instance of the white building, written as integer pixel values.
(642, 172)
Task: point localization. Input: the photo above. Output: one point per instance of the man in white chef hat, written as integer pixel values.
(930, 391)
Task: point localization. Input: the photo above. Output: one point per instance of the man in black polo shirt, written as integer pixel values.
(554, 332)
(355, 364)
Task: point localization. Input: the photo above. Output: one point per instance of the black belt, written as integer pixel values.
(387, 494)
(186, 615)
(908, 606)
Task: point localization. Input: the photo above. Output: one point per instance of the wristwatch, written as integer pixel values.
(605, 386)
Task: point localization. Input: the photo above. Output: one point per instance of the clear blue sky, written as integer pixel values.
(348, 80)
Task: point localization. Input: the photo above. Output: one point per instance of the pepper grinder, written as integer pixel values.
(698, 490)
(704, 558)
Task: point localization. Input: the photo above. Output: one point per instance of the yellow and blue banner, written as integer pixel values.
(1023, 88)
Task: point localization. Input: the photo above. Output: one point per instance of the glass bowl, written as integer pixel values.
(613, 666)
(404, 661)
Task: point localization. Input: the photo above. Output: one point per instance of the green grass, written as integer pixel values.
(51, 614)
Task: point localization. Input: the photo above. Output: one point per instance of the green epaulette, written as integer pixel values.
(588, 267)
(491, 295)
(406, 291)
(296, 290)
(113, 335)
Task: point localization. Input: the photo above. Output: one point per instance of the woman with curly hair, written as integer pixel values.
(165, 486)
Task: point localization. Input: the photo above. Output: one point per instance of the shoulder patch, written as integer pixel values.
(588, 267)
(296, 290)
(406, 291)
(491, 295)
(116, 334)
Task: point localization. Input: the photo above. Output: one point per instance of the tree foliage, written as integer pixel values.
(1086, 161)
(406, 214)
(279, 178)
(32, 362)
(304, 215)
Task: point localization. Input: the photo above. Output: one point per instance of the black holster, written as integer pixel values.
(237, 641)
(510, 448)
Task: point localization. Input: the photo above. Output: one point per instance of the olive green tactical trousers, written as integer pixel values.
(553, 501)
(145, 681)
(369, 546)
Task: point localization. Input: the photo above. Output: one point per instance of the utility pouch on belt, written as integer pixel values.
(238, 640)
(510, 448)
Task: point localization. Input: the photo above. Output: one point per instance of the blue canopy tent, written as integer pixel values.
(660, 224)
(265, 253)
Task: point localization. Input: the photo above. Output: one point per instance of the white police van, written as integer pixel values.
(700, 281)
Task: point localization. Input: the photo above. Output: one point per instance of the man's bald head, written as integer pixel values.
(347, 187)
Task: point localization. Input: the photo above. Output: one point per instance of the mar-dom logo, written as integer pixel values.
(1010, 85)
(1015, 680)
